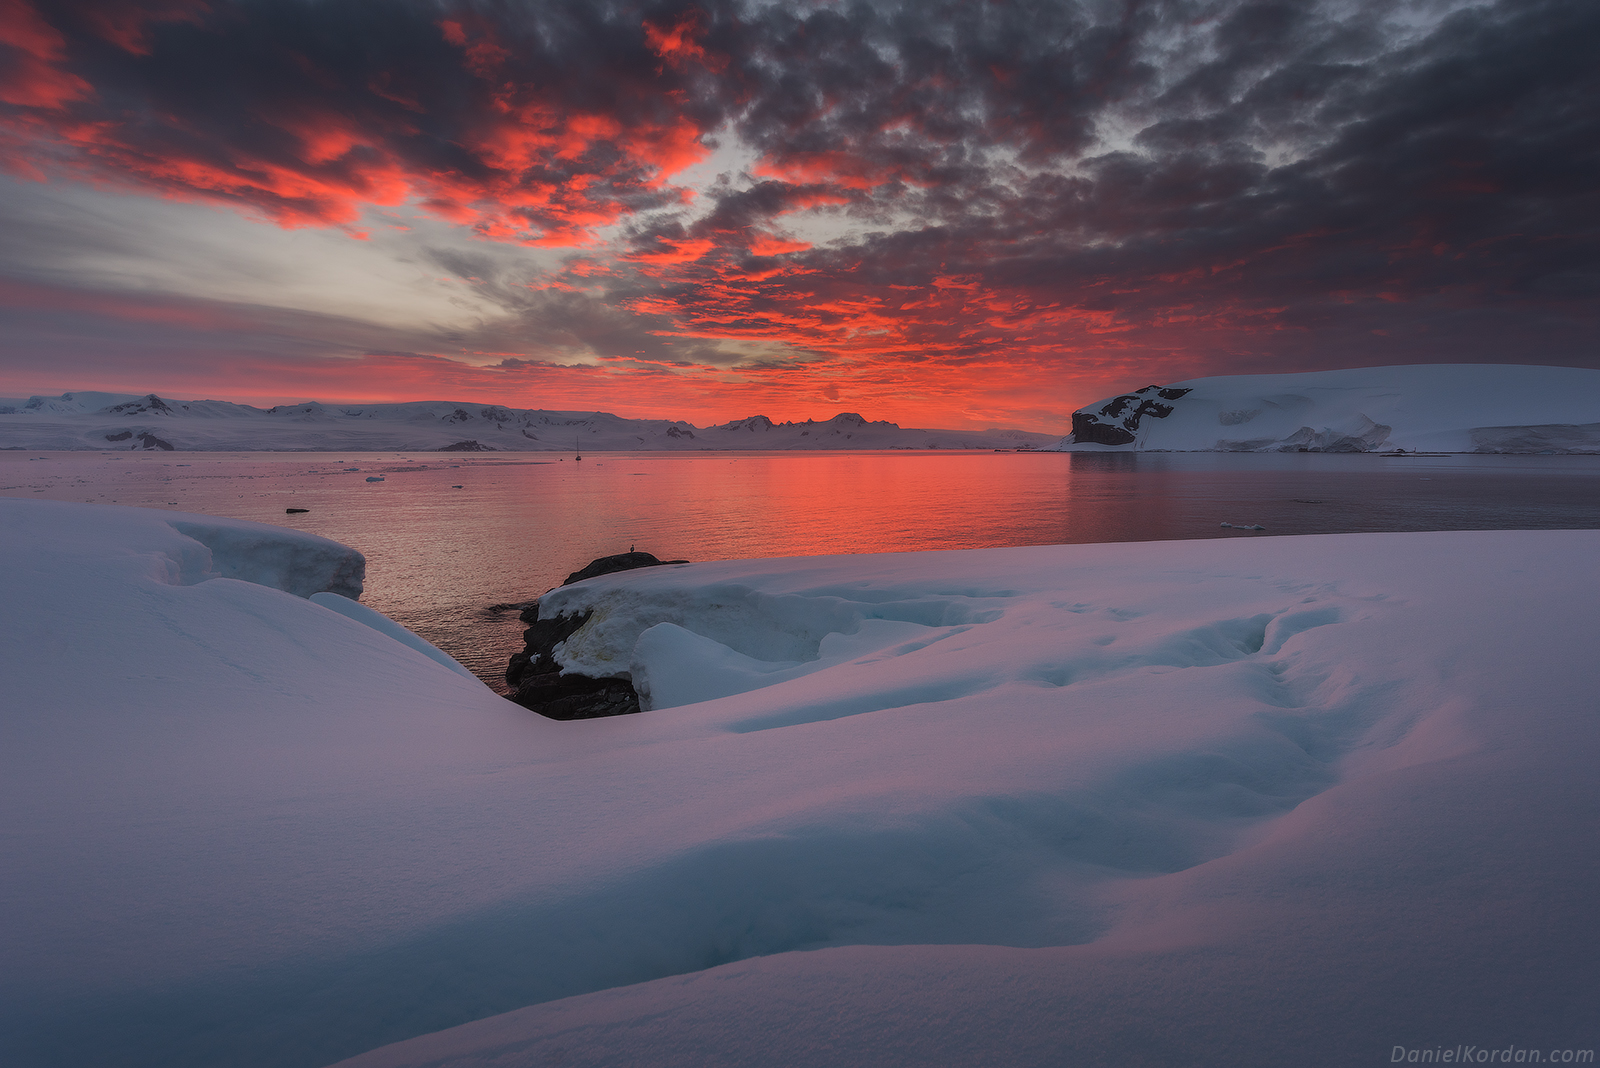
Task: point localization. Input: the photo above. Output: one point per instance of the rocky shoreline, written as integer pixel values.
(536, 680)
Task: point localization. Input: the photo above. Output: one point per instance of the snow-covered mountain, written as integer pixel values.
(82, 420)
(1497, 408)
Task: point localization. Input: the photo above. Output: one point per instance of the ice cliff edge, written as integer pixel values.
(185, 548)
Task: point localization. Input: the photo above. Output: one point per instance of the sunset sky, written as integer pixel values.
(951, 213)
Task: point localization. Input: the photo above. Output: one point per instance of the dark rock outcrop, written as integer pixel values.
(149, 405)
(1087, 429)
(146, 440)
(607, 565)
(751, 423)
(466, 446)
(1118, 418)
(566, 697)
(535, 678)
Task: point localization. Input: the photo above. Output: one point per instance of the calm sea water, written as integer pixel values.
(447, 538)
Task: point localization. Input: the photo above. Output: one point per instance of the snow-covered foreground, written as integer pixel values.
(1290, 800)
(1487, 408)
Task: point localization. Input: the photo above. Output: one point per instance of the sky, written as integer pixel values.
(951, 213)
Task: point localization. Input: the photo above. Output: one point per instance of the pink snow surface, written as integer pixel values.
(1277, 801)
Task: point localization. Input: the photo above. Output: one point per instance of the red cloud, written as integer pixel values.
(769, 245)
(34, 78)
(838, 169)
(992, 251)
(521, 163)
(676, 42)
(686, 251)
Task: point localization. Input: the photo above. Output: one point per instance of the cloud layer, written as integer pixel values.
(938, 211)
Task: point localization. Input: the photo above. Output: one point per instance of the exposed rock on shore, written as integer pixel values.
(536, 679)
(607, 565)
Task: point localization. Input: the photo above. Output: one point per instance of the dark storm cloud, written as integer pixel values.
(1237, 185)
(1308, 184)
(306, 110)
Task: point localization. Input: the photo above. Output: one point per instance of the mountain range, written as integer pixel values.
(90, 420)
(1484, 408)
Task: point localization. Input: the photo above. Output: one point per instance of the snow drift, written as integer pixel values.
(1433, 407)
(1291, 800)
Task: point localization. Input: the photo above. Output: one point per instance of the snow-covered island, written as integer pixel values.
(1484, 408)
(116, 421)
(1298, 800)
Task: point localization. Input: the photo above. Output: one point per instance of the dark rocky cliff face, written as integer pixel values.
(1086, 428)
(1116, 420)
(537, 681)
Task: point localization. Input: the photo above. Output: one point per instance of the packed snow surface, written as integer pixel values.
(147, 423)
(1285, 801)
(1434, 407)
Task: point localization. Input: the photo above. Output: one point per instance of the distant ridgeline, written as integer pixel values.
(82, 420)
(1484, 408)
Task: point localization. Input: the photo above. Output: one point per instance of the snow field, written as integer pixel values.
(1191, 802)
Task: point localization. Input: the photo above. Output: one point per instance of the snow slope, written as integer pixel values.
(118, 421)
(1291, 800)
(1433, 407)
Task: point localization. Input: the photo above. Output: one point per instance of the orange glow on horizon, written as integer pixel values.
(936, 238)
(996, 395)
